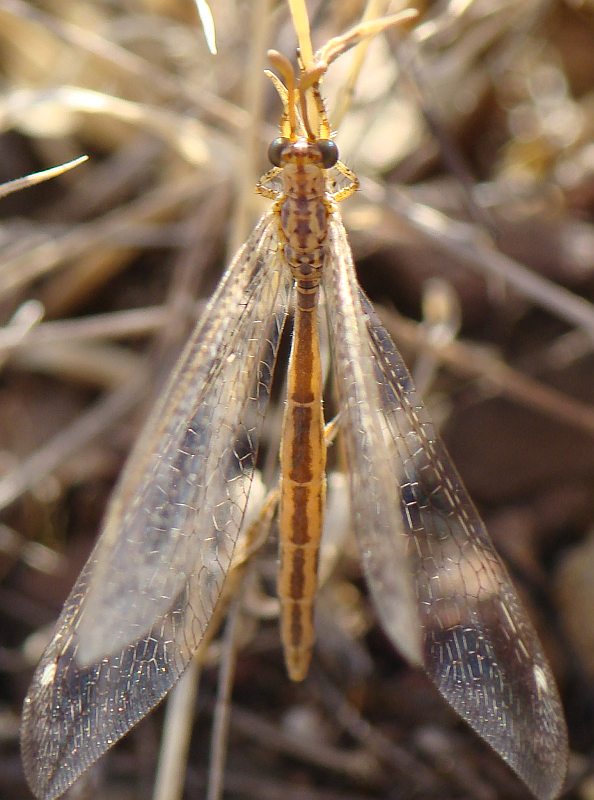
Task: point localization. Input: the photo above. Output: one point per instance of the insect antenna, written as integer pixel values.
(286, 91)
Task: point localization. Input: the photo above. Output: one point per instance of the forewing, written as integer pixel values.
(478, 645)
(145, 597)
(374, 500)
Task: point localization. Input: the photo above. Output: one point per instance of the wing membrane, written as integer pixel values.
(375, 503)
(145, 598)
(478, 645)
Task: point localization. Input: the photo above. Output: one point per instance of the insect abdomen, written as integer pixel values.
(303, 487)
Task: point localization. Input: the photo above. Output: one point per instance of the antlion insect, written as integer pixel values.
(148, 594)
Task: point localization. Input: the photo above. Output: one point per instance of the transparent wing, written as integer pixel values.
(375, 503)
(145, 598)
(477, 643)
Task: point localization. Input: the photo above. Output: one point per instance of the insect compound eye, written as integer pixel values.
(329, 152)
(275, 150)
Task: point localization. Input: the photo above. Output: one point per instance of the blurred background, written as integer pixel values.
(473, 236)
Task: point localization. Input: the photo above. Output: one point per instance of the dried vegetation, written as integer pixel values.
(473, 139)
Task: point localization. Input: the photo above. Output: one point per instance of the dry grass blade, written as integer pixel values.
(39, 177)
(207, 24)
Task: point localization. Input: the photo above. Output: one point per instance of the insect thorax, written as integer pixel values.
(304, 218)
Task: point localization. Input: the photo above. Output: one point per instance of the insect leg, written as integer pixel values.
(351, 187)
(267, 191)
